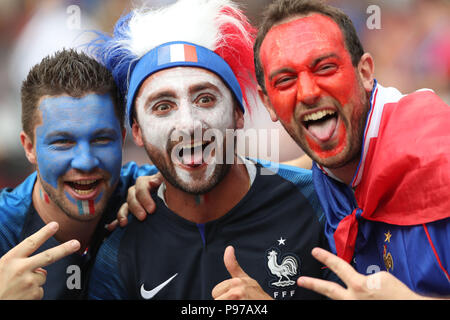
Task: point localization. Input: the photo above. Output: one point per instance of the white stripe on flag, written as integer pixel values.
(85, 206)
(177, 52)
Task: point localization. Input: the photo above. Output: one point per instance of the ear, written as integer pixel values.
(266, 102)
(28, 146)
(365, 70)
(238, 117)
(137, 134)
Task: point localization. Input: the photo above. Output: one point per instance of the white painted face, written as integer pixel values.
(176, 110)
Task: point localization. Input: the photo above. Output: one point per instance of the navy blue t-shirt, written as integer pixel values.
(273, 230)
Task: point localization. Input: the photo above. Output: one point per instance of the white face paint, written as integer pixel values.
(184, 102)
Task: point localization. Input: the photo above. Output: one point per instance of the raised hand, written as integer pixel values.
(22, 275)
(240, 286)
(380, 285)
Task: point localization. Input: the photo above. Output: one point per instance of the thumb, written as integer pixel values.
(233, 267)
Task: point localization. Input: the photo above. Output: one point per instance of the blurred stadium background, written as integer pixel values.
(411, 51)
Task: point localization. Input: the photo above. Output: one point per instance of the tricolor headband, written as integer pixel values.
(175, 54)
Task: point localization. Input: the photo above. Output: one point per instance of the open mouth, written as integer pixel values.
(321, 124)
(193, 155)
(83, 187)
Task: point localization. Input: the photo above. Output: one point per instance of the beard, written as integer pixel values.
(354, 123)
(199, 183)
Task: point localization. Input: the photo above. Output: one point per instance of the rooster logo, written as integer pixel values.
(286, 269)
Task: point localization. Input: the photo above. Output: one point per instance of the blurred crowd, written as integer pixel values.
(410, 45)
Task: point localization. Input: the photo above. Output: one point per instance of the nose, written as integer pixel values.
(84, 159)
(307, 90)
(190, 122)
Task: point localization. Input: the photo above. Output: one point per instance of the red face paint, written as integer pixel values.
(313, 86)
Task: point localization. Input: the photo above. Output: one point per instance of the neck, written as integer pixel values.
(69, 228)
(346, 172)
(214, 204)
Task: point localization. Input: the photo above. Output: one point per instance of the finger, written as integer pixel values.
(233, 267)
(342, 269)
(223, 287)
(41, 276)
(143, 192)
(54, 254)
(111, 226)
(327, 288)
(134, 206)
(33, 242)
(122, 215)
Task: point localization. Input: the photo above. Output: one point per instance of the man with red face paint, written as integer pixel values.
(381, 159)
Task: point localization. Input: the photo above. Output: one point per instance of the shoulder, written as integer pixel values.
(14, 207)
(130, 172)
(298, 178)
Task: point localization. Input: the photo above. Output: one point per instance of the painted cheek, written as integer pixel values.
(52, 165)
(283, 102)
(110, 160)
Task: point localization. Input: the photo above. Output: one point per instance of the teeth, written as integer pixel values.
(83, 192)
(85, 181)
(194, 145)
(317, 115)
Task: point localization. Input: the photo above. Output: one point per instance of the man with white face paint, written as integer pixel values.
(176, 109)
(52, 224)
(186, 89)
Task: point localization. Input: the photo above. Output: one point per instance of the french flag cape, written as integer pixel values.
(403, 178)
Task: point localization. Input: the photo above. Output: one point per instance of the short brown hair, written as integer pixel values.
(279, 10)
(66, 72)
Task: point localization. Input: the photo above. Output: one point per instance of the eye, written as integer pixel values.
(205, 100)
(326, 69)
(102, 140)
(284, 81)
(62, 143)
(162, 108)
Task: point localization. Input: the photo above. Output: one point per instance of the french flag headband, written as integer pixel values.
(176, 54)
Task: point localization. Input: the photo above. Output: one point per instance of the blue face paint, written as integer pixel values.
(78, 135)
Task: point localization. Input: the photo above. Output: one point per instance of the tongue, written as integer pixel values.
(323, 130)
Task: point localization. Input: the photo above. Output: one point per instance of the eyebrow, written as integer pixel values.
(159, 95)
(325, 56)
(311, 65)
(103, 131)
(202, 86)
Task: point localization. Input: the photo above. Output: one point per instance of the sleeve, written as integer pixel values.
(14, 206)
(302, 178)
(133, 171)
(105, 282)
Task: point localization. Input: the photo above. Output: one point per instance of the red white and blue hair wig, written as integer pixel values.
(209, 34)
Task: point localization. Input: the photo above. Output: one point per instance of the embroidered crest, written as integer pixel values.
(284, 270)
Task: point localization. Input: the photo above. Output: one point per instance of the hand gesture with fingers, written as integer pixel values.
(240, 286)
(22, 275)
(380, 285)
(139, 201)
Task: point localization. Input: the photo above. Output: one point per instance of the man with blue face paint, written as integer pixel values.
(72, 117)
